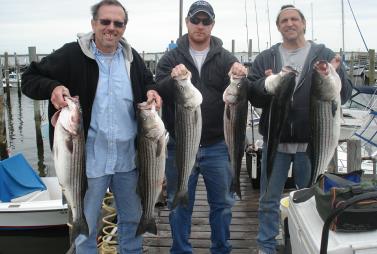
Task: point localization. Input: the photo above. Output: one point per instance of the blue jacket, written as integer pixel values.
(297, 129)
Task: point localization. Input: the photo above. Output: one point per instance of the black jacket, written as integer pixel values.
(74, 66)
(297, 129)
(211, 83)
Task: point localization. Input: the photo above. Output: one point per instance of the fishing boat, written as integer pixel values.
(13, 79)
(40, 207)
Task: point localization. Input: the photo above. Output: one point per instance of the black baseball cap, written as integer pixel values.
(201, 6)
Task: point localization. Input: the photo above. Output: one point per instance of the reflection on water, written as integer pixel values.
(21, 131)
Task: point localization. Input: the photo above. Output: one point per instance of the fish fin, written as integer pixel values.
(181, 197)
(69, 144)
(160, 146)
(146, 226)
(54, 118)
(310, 153)
(334, 107)
(227, 111)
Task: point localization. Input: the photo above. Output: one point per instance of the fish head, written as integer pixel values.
(274, 83)
(70, 116)
(149, 121)
(288, 69)
(326, 83)
(187, 94)
(235, 91)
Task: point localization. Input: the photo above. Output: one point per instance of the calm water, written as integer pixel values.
(21, 131)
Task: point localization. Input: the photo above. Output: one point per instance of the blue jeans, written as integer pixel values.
(213, 163)
(128, 204)
(269, 201)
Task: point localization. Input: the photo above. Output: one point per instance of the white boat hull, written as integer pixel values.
(44, 209)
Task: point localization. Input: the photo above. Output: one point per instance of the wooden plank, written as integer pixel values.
(244, 227)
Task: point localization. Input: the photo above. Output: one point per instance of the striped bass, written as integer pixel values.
(324, 116)
(279, 109)
(69, 160)
(188, 129)
(151, 151)
(235, 117)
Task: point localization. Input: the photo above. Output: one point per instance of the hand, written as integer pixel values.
(237, 71)
(57, 96)
(153, 96)
(180, 72)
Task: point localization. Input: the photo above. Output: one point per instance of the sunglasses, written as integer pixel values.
(205, 22)
(106, 22)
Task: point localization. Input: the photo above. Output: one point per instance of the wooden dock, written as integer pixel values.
(244, 225)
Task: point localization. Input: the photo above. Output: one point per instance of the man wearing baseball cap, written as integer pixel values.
(201, 57)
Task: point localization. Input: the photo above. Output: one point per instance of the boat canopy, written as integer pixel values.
(18, 178)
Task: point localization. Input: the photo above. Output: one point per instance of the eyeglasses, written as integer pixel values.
(106, 22)
(205, 22)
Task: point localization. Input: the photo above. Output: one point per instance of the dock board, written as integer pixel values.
(244, 225)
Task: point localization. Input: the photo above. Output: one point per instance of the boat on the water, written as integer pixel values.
(13, 79)
(41, 207)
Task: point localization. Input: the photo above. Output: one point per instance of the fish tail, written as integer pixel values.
(79, 227)
(146, 225)
(72, 249)
(235, 188)
(181, 197)
(84, 228)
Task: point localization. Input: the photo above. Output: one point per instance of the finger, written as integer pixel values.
(158, 102)
(268, 72)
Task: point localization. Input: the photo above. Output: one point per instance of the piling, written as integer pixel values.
(17, 69)
(352, 68)
(353, 155)
(3, 136)
(37, 119)
(6, 69)
(371, 67)
(250, 50)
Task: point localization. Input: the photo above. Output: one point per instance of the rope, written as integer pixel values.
(108, 240)
(362, 37)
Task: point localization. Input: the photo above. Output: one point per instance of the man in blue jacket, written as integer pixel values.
(297, 52)
(110, 78)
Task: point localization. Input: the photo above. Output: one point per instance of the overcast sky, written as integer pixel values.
(48, 24)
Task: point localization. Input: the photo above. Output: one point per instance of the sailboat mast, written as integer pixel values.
(311, 7)
(269, 23)
(342, 2)
(256, 19)
(180, 17)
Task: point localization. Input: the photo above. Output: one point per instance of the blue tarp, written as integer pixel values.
(17, 178)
